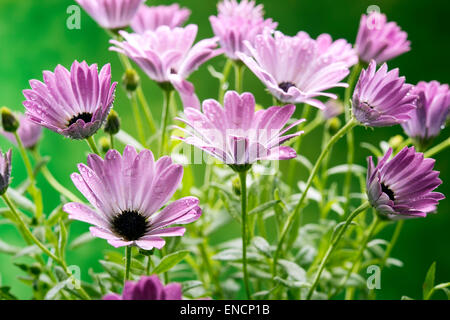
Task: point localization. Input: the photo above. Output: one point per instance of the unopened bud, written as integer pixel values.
(112, 125)
(105, 144)
(9, 120)
(396, 141)
(334, 124)
(130, 80)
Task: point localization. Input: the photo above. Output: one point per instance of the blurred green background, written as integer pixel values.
(34, 37)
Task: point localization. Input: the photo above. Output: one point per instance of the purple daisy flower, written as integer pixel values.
(111, 14)
(294, 69)
(380, 40)
(433, 108)
(382, 98)
(5, 170)
(168, 56)
(239, 22)
(74, 104)
(147, 288)
(126, 192)
(236, 134)
(28, 131)
(402, 187)
(150, 18)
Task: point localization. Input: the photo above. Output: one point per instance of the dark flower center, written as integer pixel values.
(130, 225)
(285, 86)
(85, 116)
(388, 191)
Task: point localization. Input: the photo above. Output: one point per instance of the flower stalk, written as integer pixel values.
(243, 180)
(333, 245)
(344, 130)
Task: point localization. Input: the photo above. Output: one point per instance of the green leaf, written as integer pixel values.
(55, 216)
(293, 270)
(20, 200)
(264, 207)
(62, 241)
(429, 282)
(372, 149)
(188, 285)
(344, 168)
(170, 261)
(406, 298)
(81, 240)
(126, 139)
(7, 248)
(51, 294)
(30, 250)
(262, 246)
(5, 294)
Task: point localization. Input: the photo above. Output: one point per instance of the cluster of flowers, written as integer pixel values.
(126, 191)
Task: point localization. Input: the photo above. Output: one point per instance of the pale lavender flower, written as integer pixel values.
(150, 18)
(111, 14)
(382, 98)
(74, 104)
(5, 171)
(294, 69)
(339, 50)
(433, 108)
(333, 108)
(402, 187)
(126, 192)
(380, 40)
(168, 56)
(147, 288)
(28, 131)
(239, 22)
(236, 134)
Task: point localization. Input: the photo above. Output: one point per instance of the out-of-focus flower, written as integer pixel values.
(111, 14)
(402, 187)
(294, 69)
(29, 132)
(339, 50)
(380, 40)
(74, 104)
(5, 171)
(168, 56)
(433, 108)
(333, 108)
(126, 192)
(147, 288)
(238, 22)
(236, 134)
(150, 18)
(382, 98)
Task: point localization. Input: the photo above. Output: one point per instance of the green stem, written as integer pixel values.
(137, 119)
(41, 246)
(345, 129)
(146, 108)
(387, 253)
(333, 245)
(239, 76)
(92, 145)
(25, 158)
(111, 140)
(54, 183)
(223, 81)
(243, 179)
(127, 262)
(438, 148)
(167, 96)
(208, 264)
(350, 138)
(357, 262)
